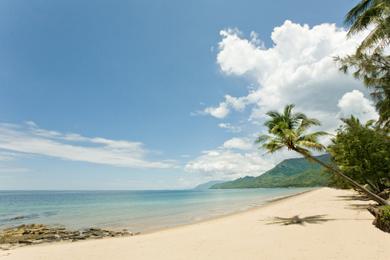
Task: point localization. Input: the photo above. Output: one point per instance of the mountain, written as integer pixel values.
(297, 172)
(207, 185)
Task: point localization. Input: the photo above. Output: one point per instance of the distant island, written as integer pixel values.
(297, 172)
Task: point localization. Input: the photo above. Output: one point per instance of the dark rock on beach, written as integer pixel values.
(39, 233)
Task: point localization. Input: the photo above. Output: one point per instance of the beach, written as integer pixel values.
(337, 226)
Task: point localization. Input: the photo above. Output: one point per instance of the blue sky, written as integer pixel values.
(132, 80)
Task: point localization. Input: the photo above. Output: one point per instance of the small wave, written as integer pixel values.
(49, 213)
(20, 217)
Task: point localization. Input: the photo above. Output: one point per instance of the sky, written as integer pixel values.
(162, 94)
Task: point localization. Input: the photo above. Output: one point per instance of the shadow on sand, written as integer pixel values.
(357, 206)
(296, 220)
(354, 197)
(363, 202)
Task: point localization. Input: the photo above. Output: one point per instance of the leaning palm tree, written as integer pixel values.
(288, 130)
(374, 13)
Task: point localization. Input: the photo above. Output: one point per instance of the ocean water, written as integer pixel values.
(137, 211)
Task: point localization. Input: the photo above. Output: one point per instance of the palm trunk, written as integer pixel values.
(370, 194)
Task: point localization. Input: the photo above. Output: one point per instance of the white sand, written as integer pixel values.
(245, 235)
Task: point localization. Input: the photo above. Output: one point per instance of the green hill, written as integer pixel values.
(297, 172)
(207, 185)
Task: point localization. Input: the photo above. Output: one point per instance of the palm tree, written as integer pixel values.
(370, 62)
(374, 70)
(288, 130)
(367, 13)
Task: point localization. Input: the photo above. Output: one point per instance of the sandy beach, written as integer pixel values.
(337, 227)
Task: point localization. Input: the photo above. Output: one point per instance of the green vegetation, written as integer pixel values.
(370, 63)
(363, 153)
(360, 154)
(207, 185)
(373, 13)
(374, 70)
(385, 214)
(288, 130)
(298, 172)
(382, 217)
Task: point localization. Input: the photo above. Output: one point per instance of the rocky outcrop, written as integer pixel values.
(38, 233)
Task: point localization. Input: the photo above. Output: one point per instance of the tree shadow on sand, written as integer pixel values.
(358, 197)
(357, 206)
(296, 220)
(361, 202)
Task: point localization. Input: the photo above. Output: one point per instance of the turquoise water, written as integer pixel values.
(137, 211)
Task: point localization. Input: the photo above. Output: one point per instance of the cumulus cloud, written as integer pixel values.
(235, 158)
(30, 139)
(238, 143)
(227, 164)
(224, 108)
(354, 103)
(298, 68)
(221, 111)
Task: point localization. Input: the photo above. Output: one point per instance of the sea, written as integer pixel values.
(136, 211)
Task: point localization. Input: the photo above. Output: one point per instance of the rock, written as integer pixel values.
(17, 218)
(27, 234)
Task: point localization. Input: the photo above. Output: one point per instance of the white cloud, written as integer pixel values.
(220, 111)
(226, 164)
(74, 147)
(237, 157)
(238, 143)
(6, 156)
(223, 109)
(236, 55)
(354, 103)
(231, 128)
(298, 68)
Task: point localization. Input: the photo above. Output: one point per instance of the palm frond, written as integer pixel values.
(273, 146)
(288, 130)
(311, 145)
(288, 109)
(378, 37)
(262, 139)
(273, 114)
(364, 19)
(360, 8)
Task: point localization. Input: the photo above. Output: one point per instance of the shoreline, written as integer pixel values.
(343, 230)
(149, 226)
(238, 212)
(151, 231)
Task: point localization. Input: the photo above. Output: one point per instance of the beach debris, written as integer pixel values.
(28, 234)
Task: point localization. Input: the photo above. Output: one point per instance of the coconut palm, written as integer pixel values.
(288, 130)
(368, 13)
(374, 70)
